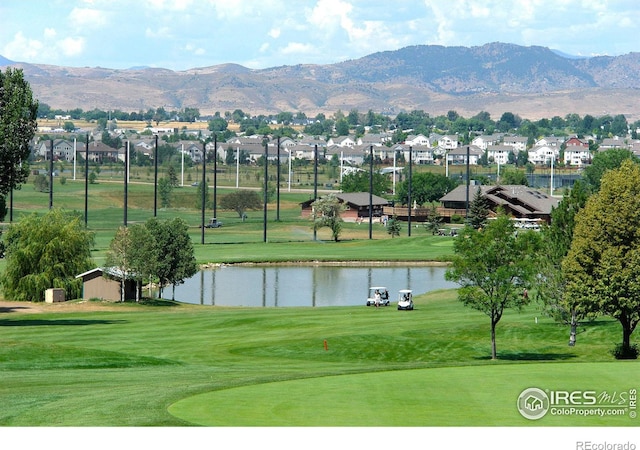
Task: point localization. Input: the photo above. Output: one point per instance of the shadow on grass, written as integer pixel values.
(8, 309)
(529, 356)
(56, 322)
(158, 302)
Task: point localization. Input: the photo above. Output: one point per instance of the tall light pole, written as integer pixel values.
(315, 182)
(51, 177)
(289, 182)
(215, 174)
(394, 172)
(278, 182)
(74, 158)
(409, 191)
(370, 191)
(266, 186)
(466, 213)
(86, 182)
(126, 180)
(155, 181)
(204, 190)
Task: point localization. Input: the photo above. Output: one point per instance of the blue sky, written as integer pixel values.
(184, 34)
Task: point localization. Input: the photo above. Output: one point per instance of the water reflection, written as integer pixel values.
(286, 286)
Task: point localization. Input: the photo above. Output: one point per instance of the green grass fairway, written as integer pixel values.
(167, 364)
(451, 396)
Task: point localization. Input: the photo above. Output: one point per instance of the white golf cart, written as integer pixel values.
(378, 295)
(405, 300)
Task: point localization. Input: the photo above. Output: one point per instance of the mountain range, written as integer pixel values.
(533, 82)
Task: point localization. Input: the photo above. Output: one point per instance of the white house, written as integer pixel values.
(543, 155)
(499, 153)
(377, 139)
(62, 150)
(459, 155)
(482, 142)
(615, 142)
(448, 142)
(576, 156)
(518, 143)
(342, 141)
(420, 154)
(550, 141)
(417, 139)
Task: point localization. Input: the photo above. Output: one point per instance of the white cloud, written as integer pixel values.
(297, 48)
(22, 48)
(72, 46)
(162, 32)
(194, 49)
(160, 6)
(274, 33)
(269, 33)
(50, 33)
(327, 15)
(87, 19)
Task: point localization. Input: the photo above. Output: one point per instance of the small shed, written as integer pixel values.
(54, 295)
(105, 284)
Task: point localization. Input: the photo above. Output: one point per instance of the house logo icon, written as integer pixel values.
(533, 403)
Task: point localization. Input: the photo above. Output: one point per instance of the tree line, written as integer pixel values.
(356, 122)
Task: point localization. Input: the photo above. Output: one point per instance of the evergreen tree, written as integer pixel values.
(478, 210)
(393, 227)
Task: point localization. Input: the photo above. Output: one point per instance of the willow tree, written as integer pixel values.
(46, 251)
(602, 267)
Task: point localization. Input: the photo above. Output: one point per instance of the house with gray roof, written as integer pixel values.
(519, 201)
(356, 203)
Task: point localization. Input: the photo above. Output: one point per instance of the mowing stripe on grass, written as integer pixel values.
(451, 396)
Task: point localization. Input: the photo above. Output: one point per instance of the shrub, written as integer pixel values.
(456, 218)
(622, 351)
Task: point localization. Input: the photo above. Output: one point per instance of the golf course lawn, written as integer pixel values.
(167, 364)
(460, 396)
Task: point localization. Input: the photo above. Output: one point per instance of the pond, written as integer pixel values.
(306, 285)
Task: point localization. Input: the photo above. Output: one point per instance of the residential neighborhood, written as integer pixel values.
(436, 149)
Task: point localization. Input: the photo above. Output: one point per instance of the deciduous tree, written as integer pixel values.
(327, 212)
(604, 161)
(174, 255)
(46, 251)
(18, 112)
(425, 187)
(131, 253)
(241, 201)
(602, 267)
(557, 239)
(358, 181)
(494, 267)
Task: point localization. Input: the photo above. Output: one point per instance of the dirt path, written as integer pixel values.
(7, 307)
